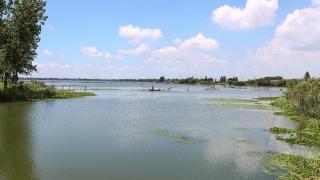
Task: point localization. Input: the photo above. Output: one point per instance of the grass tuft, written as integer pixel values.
(36, 90)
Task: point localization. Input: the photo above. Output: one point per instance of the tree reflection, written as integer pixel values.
(16, 160)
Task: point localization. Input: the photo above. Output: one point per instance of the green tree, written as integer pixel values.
(223, 79)
(23, 22)
(307, 76)
(2, 9)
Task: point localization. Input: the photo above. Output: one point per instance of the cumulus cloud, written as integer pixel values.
(199, 42)
(256, 13)
(47, 53)
(53, 65)
(300, 30)
(316, 2)
(188, 56)
(138, 34)
(141, 49)
(295, 46)
(93, 52)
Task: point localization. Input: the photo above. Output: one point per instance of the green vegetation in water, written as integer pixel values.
(254, 153)
(287, 166)
(267, 98)
(277, 130)
(105, 89)
(37, 90)
(301, 104)
(248, 106)
(231, 100)
(240, 103)
(308, 134)
(64, 94)
(243, 141)
(179, 137)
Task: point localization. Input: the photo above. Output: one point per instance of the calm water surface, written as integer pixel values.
(109, 136)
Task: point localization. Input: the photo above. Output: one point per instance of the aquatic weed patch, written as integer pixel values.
(243, 141)
(254, 153)
(277, 130)
(248, 106)
(308, 134)
(231, 100)
(240, 103)
(297, 167)
(179, 137)
(287, 166)
(267, 98)
(105, 89)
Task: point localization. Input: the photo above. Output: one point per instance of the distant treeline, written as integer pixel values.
(270, 81)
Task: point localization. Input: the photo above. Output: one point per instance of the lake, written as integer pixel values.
(127, 132)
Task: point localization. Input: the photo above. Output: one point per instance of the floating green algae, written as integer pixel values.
(267, 98)
(248, 106)
(179, 137)
(240, 103)
(287, 166)
(278, 130)
(231, 100)
(105, 89)
(254, 153)
(243, 141)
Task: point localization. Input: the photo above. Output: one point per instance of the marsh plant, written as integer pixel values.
(36, 90)
(301, 104)
(178, 136)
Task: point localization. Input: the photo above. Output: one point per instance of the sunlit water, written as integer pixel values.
(109, 136)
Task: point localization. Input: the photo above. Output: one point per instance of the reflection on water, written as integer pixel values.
(108, 136)
(16, 161)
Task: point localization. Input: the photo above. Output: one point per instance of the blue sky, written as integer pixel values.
(174, 38)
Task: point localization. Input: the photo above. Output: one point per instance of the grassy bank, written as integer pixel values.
(36, 90)
(301, 104)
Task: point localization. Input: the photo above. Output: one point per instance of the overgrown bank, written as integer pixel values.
(36, 90)
(302, 104)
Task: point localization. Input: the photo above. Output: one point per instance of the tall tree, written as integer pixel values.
(23, 22)
(2, 37)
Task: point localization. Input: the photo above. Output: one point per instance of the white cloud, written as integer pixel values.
(199, 42)
(137, 34)
(53, 65)
(256, 13)
(141, 49)
(93, 52)
(295, 47)
(189, 57)
(47, 53)
(316, 2)
(300, 30)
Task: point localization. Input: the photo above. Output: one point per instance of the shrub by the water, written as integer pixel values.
(36, 90)
(305, 95)
(302, 104)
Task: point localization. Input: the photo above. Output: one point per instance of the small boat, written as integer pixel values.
(152, 89)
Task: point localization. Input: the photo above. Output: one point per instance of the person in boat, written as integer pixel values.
(152, 89)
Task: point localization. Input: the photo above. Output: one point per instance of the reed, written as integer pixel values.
(36, 90)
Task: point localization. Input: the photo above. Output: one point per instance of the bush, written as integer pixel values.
(305, 95)
(25, 91)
